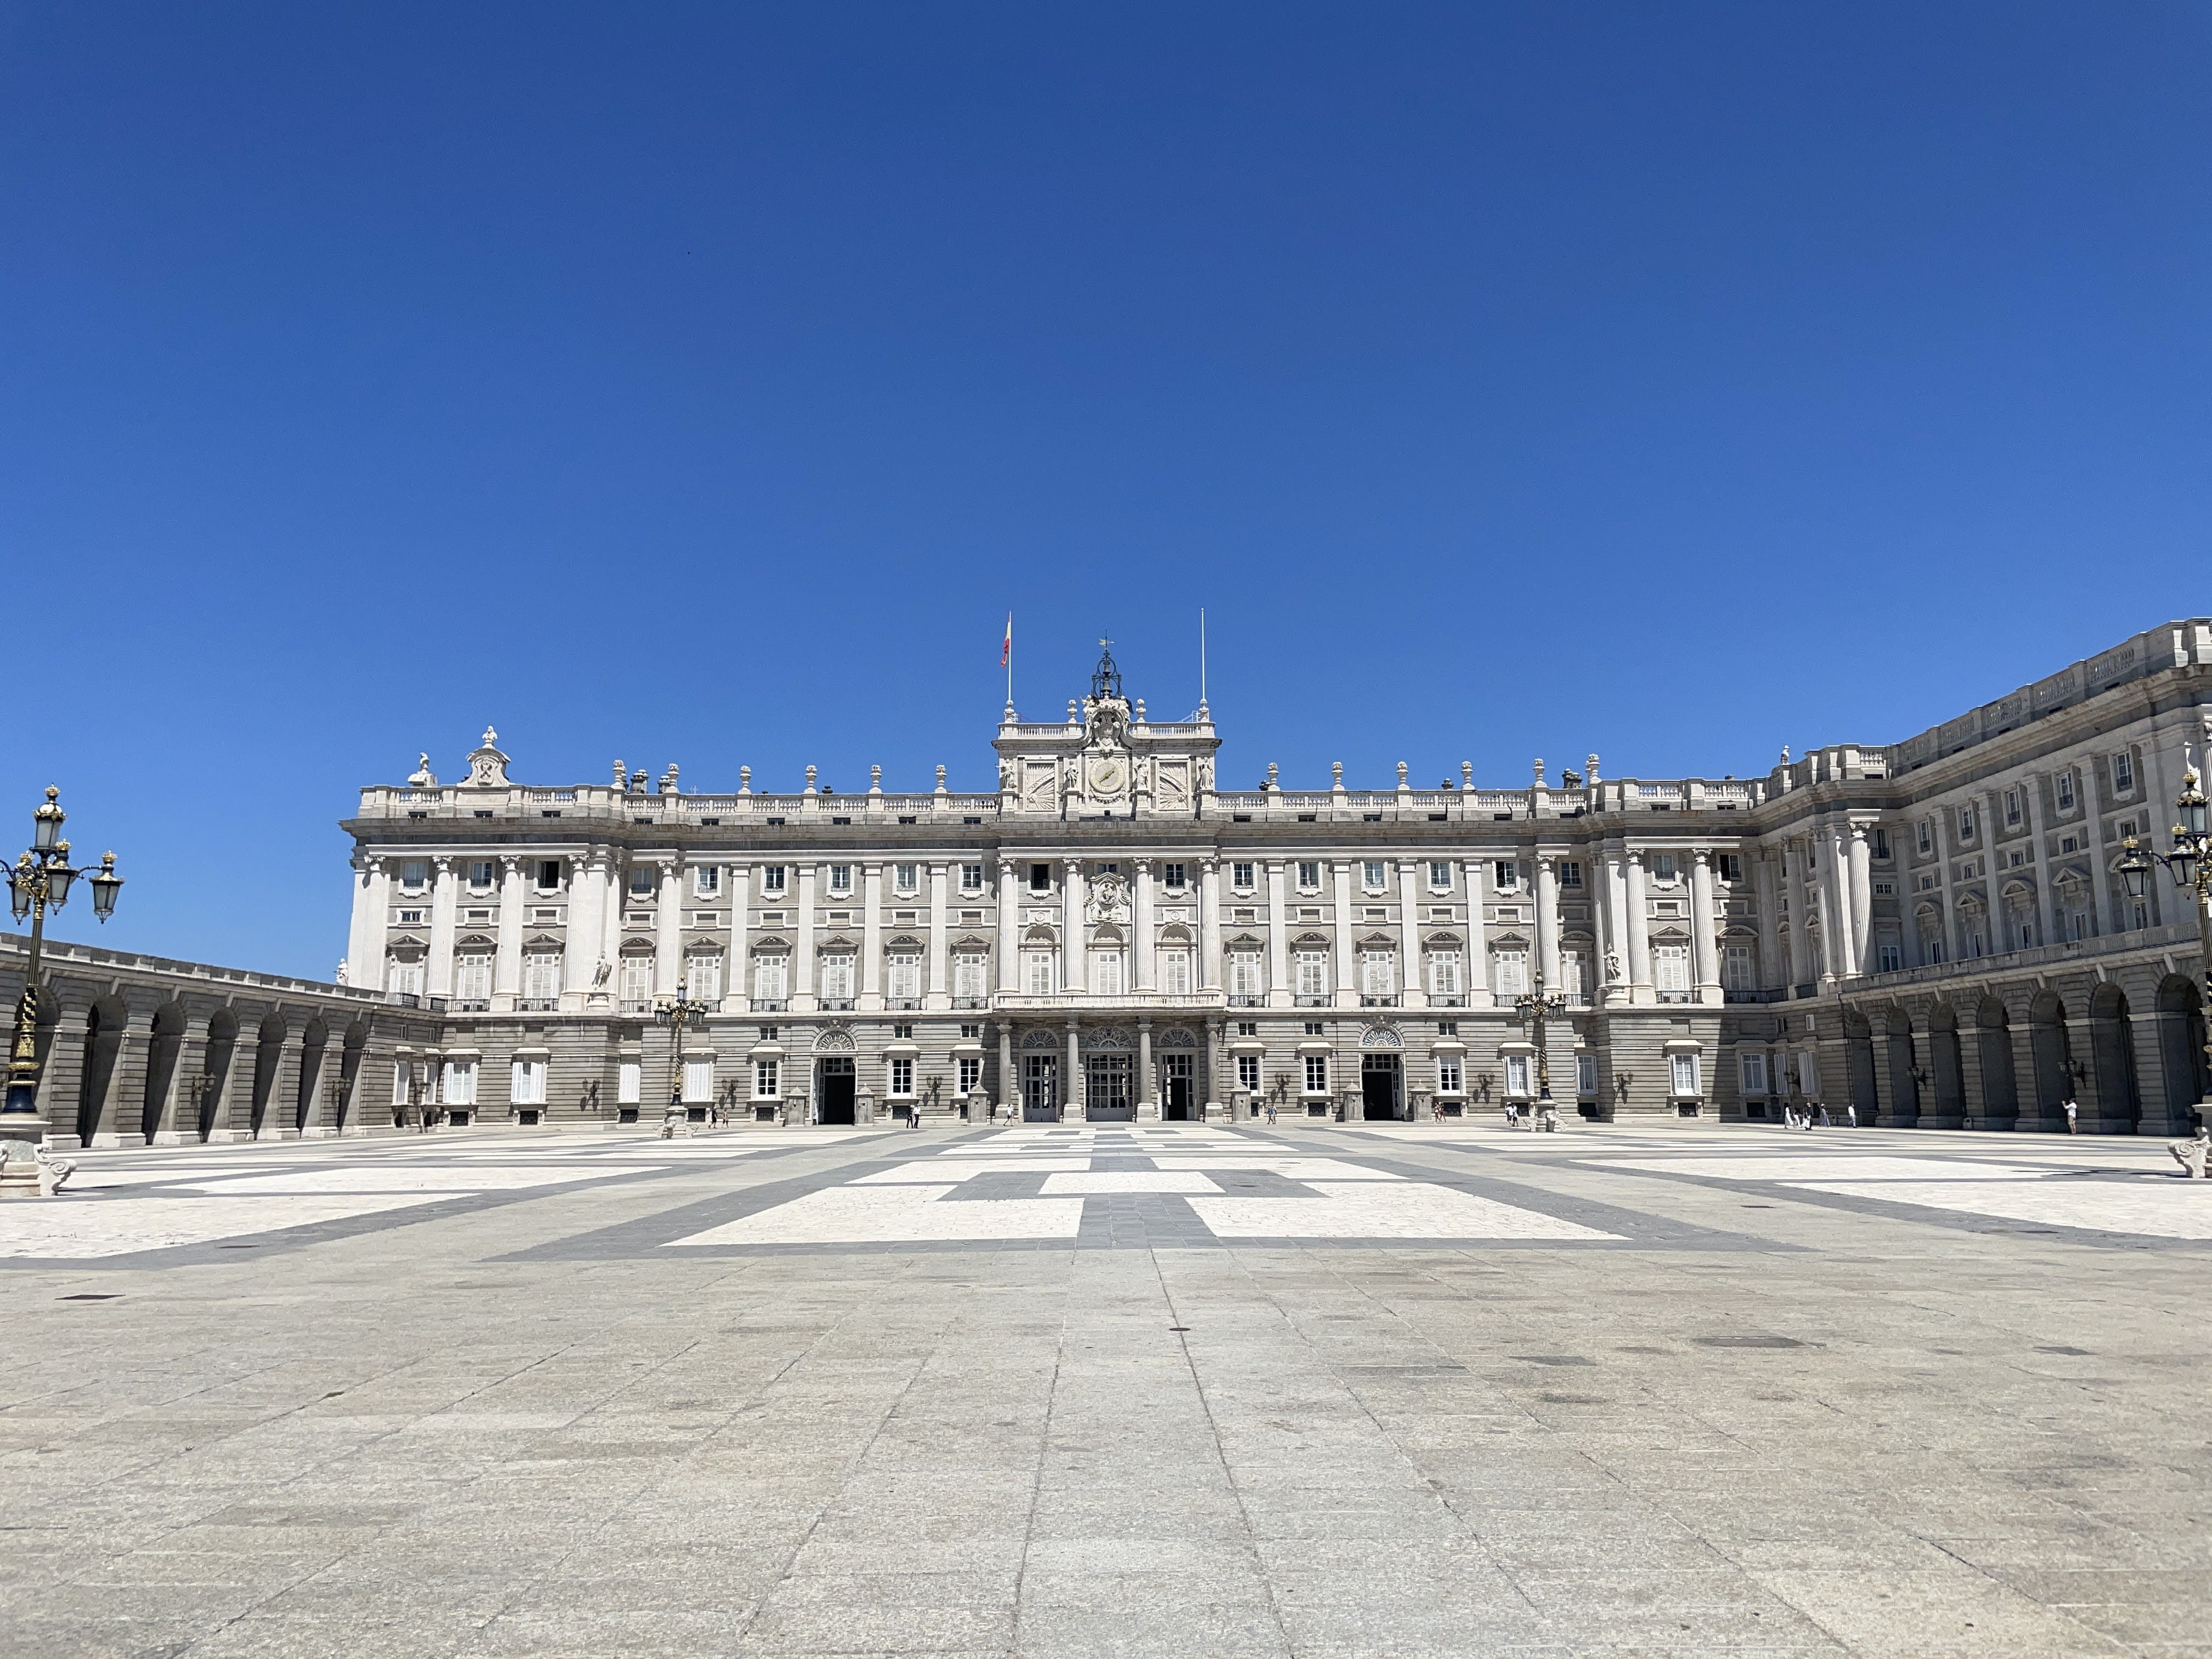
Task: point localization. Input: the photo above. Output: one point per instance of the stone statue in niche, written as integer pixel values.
(1613, 966)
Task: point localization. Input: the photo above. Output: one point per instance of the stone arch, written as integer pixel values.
(1947, 1070)
(163, 1051)
(2113, 1059)
(2181, 1061)
(1904, 1086)
(103, 1047)
(222, 1050)
(2050, 1054)
(315, 1044)
(1381, 1036)
(267, 1061)
(1858, 1066)
(351, 1056)
(1993, 1064)
(835, 1041)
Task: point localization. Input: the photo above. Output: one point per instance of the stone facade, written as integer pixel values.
(139, 1050)
(1931, 931)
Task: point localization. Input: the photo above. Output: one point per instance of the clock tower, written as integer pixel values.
(1107, 760)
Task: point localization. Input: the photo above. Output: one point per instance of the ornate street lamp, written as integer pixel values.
(1536, 1006)
(39, 882)
(2189, 864)
(677, 1012)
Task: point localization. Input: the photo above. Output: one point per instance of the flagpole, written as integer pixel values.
(1201, 661)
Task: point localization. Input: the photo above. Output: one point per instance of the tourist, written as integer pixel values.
(1825, 1124)
(1851, 1115)
(2073, 1115)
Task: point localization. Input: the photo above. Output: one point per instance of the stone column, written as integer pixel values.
(1547, 919)
(1616, 901)
(1070, 1088)
(1639, 932)
(610, 913)
(802, 989)
(1993, 876)
(1147, 971)
(122, 1113)
(439, 982)
(1209, 923)
(2093, 840)
(939, 991)
(1796, 851)
(1414, 993)
(1824, 886)
(870, 990)
(1845, 955)
(507, 966)
(1861, 867)
(740, 877)
(1148, 1094)
(1010, 1086)
(1074, 943)
(1009, 921)
(371, 910)
(1772, 968)
(1347, 989)
(587, 889)
(667, 932)
(1279, 943)
(1478, 943)
(1705, 950)
(2047, 902)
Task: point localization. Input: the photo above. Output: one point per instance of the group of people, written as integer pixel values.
(1546, 1118)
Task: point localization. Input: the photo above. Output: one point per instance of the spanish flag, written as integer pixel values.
(1006, 651)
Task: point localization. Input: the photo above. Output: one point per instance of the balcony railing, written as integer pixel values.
(1245, 999)
(539, 1004)
(770, 1004)
(903, 1004)
(1310, 1001)
(469, 1005)
(1447, 1000)
(837, 1004)
(1378, 1000)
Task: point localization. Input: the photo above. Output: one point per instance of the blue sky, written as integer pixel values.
(705, 384)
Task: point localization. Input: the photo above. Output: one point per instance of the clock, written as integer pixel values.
(1107, 776)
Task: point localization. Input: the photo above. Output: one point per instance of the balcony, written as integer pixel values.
(539, 1004)
(770, 1004)
(902, 1004)
(1446, 999)
(469, 1005)
(1246, 999)
(1374, 999)
(1014, 1002)
(971, 1002)
(1310, 1001)
(837, 1004)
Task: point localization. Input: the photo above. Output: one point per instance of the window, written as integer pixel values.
(1378, 974)
(399, 1082)
(640, 881)
(1751, 1068)
(971, 877)
(1511, 978)
(841, 880)
(1737, 969)
(473, 978)
(902, 981)
(629, 1082)
(1371, 875)
(480, 875)
(772, 977)
(1448, 1075)
(1670, 966)
(901, 1079)
(1309, 876)
(1174, 878)
(2069, 844)
(1444, 974)
(1106, 973)
(1878, 838)
(1506, 875)
(764, 1078)
(971, 1074)
(549, 875)
(1040, 877)
(1447, 1028)
(637, 987)
(1662, 866)
(707, 880)
(1892, 958)
(1927, 837)
(1037, 973)
(1314, 1028)
(404, 976)
(1316, 1074)
(1729, 865)
(458, 1086)
(2012, 806)
(411, 918)
(1574, 973)
(412, 875)
(1175, 972)
(1247, 1073)
(1240, 877)
(1571, 872)
(1244, 974)
(703, 976)
(771, 878)
(1516, 1074)
(1685, 1070)
(971, 975)
(2065, 791)
(906, 877)
(1965, 823)
(767, 1034)
(1313, 972)
(2123, 771)
(698, 1081)
(1439, 876)
(541, 980)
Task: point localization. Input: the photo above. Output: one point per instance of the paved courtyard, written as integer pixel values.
(1142, 1389)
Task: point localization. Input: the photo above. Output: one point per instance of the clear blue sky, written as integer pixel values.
(705, 383)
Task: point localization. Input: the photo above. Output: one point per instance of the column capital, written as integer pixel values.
(512, 861)
(1006, 865)
(1859, 832)
(1144, 864)
(1701, 854)
(1072, 865)
(442, 863)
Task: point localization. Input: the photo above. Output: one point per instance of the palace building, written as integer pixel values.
(1930, 931)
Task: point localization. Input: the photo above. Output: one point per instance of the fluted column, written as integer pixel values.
(1703, 946)
(1146, 971)
(442, 897)
(1824, 895)
(1639, 932)
(941, 991)
(667, 931)
(1861, 867)
(1075, 944)
(1009, 919)
(507, 966)
(1209, 923)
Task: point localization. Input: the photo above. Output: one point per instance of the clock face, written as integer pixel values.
(1107, 777)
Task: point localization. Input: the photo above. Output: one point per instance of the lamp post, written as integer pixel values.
(1536, 1006)
(39, 882)
(2189, 864)
(677, 1012)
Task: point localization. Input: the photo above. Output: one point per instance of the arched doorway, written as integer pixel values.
(349, 1063)
(2181, 1059)
(314, 1041)
(1858, 1063)
(1993, 1064)
(2051, 1056)
(268, 1058)
(1904, 1086)
(1382, 1076)
(835, 1089)
(1109, 1076)
(103, 1046)
(2112, 1061)
(161, 1052)
(213, 1082)
(1946, 1070)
